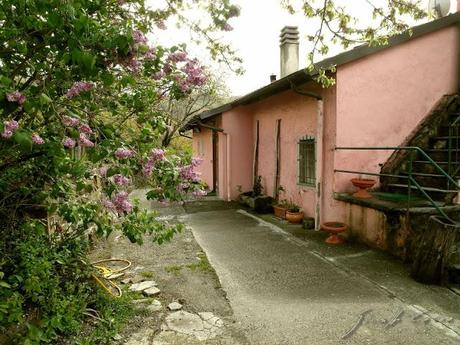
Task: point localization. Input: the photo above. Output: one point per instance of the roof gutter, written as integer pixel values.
(201, 124)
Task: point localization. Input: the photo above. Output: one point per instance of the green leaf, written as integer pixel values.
(5, 80)
(23, 139)
(5, 285)
(44, 99)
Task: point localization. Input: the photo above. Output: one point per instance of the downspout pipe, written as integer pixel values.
(319, 151)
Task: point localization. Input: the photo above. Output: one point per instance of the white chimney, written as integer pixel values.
(289, 50)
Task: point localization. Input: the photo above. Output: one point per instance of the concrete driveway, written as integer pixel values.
(284, 290)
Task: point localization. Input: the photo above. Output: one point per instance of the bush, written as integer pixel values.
(45, 285)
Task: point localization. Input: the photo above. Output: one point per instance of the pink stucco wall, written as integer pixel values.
(382, 97)
(377, 101)
(202, 147)
(235, 153)
(298, 119)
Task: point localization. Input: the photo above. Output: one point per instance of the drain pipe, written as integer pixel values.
(227, 164)
(319, 152)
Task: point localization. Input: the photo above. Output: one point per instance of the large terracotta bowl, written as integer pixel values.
(279, 211)
(363, 184)
(333, 229)
(294, 217)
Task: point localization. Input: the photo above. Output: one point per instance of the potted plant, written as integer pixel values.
(280, 209)
(255, 199)
(281, 206)
(293, 214)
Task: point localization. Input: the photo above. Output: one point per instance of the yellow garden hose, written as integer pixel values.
(104, 272)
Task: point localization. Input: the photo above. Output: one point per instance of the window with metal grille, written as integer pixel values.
(307, 161)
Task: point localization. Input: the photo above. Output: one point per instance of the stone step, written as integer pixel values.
(427, 189)
(424, 166)
(442, 154)
(422, 174)
(445, 137)
(443, 130)
(431, 180)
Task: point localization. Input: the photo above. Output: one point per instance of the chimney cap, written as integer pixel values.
(289, 34)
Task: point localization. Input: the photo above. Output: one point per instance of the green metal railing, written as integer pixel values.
(410, 178)
(453, 146)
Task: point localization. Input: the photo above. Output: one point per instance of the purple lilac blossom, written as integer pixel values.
(177, 57)
(109, 205)
(16, 96)
(157, 154)
(7, 134)
(121, 202)
(122, 153)
(121, 180)
(133, 64)
(69, 142)
(83, 141)
(181, 187)
(167, 68)
(70, 121)
(227, 27)
(139, 37)
(158, 75)
(84, 128)
(199, 193)
(161, 25)
(102, 171)
(37, 140)
(195, 73)
(150, 54)
(148, 168)
(186, 172)
(196, 161)
(78, 87)
(9, 128)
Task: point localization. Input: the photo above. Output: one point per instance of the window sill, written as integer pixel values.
(306, 185)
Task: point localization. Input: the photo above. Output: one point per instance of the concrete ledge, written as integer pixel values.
(417, 206)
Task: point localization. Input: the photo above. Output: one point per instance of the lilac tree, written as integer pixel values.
(78, 81)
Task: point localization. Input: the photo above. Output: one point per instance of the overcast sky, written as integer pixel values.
(256, 38)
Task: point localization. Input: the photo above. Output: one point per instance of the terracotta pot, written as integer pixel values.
(333, 229)
(363, 184)
(294, 217)
(280, 211)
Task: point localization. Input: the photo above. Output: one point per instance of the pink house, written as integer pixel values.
(382, 97)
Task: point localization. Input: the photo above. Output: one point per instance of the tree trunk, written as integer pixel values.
(166, 138)
(432, 248)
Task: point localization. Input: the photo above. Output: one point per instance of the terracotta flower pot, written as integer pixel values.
(294, 217)
(280, 211)
(363, 184)
(333, 229)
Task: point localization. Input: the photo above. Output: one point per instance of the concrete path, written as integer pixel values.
(287, 291)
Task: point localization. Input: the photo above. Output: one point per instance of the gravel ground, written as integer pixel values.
(183, 274)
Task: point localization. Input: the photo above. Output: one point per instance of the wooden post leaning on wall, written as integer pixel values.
(256, 155)
(278, 161)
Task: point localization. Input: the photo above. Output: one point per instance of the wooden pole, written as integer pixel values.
(256, 156)
(277, 165)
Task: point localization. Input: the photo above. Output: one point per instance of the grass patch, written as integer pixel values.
(201, 265)
(147, 274)
(174, 269)
(116, 312)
